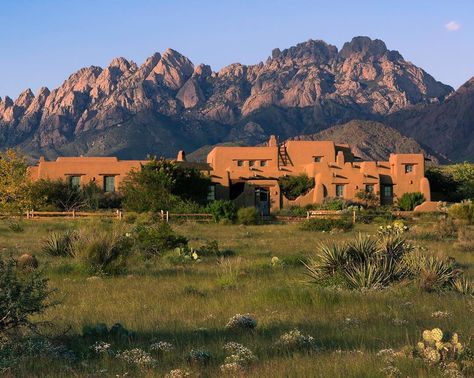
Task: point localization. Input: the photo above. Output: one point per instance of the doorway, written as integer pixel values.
(262, 201)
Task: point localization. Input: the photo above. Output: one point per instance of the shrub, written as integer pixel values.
(294, 186)
(223, 211)
(59, 244)
(247, 216)
(239, 354)
(438, 347)
(326, 224)
(241, 322)
(199, 357)
(211, 248)
(463, 211)
(27, 262)
(295, 340)
(154, 239)
(368, 199)
(163, 185)
(103, 251)
(408, 201)
(16, 227)
(21, 296)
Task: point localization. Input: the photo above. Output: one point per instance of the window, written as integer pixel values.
(263, 163)
(75, 181)
(408, 168)
(240, 163)
(109, 183)
(317, 159)
(369, 188)
(251, 163)
(339, 190)
(387, 191)
(211, 193)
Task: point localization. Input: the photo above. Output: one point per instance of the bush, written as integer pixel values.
(247, 216)
(408, 201)
(327, 224)
(463, 211)
(21, 296)
(16, 227)
(223, 211)
(103, 251)
(59, 244)
(163, 185)
(154, 239)
(294, 186)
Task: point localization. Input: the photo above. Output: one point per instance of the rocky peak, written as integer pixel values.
(25, 98)
(203, 70)
(312, 51)
(363, 47)
(173, 69)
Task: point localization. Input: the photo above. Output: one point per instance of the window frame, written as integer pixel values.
(106, 177)
(371, 190)
(263, 163)
(72, 178)
(342, 187)
(252, 163)
(409, 168)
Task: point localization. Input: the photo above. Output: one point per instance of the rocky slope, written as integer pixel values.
(447, 127)
(168, 103)
(371, 140)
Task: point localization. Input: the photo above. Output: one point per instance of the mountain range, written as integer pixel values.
(168, 103)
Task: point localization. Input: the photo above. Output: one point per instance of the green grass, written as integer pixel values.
(189, 305)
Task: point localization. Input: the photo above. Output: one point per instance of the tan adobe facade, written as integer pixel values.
(250, 175)
(106, 172)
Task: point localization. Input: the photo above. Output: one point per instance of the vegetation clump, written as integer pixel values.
(155, 239)
(247, 216)
(294, 186)
(241, 322)
(463, 211)
(223, 211)
(408, 201)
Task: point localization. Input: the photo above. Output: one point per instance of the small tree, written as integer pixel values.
(464, 174)
(368, 199)
(162, 184)
(22, 295)
(408, 201)
(14, 182)
(294, 186)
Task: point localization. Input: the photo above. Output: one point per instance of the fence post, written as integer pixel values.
(353, 216)
(307, 215)
(162, 215)
(120, 214)
(27, 214)
(73, 214)
(167, 216)
(32, 214)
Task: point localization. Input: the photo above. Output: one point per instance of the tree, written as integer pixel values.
(162, 185)
(22, 295)
(14, 182)
(294, 186)
(463, 173)
(369, 199)
(408, 201)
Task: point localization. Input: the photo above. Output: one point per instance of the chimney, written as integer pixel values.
(181, 156)
(272, 142)
(41, 159)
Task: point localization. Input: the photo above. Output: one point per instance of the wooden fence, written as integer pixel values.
(72, 214)
(167, 216)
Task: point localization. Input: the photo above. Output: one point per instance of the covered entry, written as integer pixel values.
(262, 201)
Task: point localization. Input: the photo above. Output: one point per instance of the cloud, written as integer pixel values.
(452, 26)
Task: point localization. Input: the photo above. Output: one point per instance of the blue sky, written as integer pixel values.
(43, 41)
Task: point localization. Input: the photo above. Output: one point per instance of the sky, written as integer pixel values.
(42, 42)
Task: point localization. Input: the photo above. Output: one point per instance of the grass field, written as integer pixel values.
(189, 306)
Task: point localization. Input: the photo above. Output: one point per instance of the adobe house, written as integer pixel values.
(250, 175)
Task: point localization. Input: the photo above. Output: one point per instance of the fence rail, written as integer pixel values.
(72, 214)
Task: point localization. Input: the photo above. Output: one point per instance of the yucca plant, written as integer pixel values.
(369, 275)
(362, 249)
(59, 244)
(330, 259)
(463, 285)
(435, 273)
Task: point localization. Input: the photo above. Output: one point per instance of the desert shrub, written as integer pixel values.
(463, 174)
(294, 186)
(464, 285)
(59, 244)
(199, 357)
(333, 204)
(223, 211)
(367, 199)
(22, 296)
(445, 228)
(295, 340)
(241, 322)
(211, 248)
(247, 216)
(370, 262)
(103, 251)
(27, 262)
(183, 255)
(15, 226)
(155, 239)
(326, 224)
(465, 240)
(463, 211)
(408, 201)
(238, 356)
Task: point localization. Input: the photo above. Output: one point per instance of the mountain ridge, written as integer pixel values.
(128, 110)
